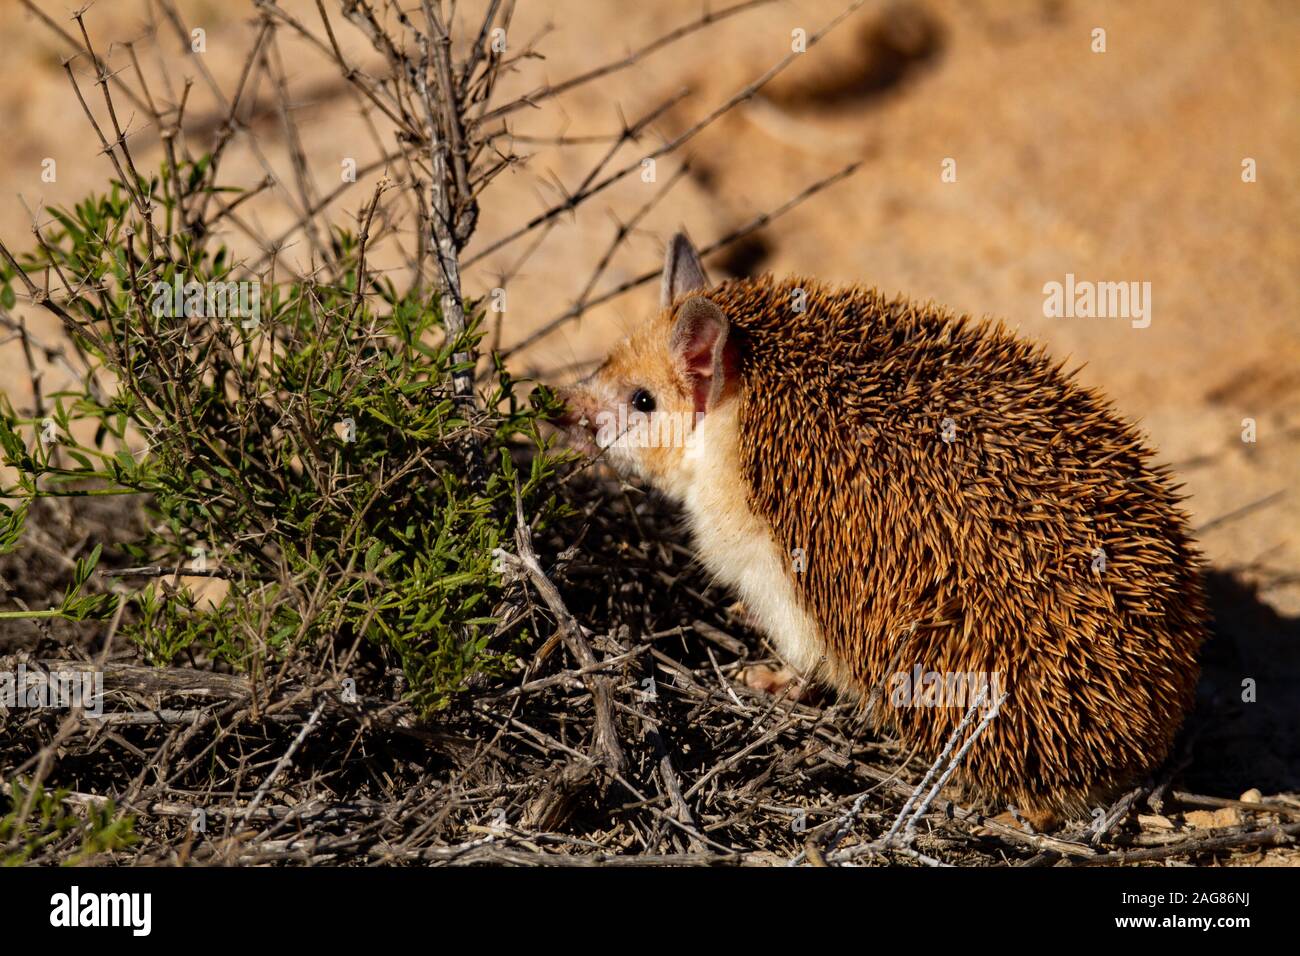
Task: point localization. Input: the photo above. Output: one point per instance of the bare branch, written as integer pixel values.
(708, 18)
(758, 222)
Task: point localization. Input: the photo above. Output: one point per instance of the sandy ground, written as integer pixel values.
(1124, 165)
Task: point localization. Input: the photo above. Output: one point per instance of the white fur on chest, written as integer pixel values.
(737, 546)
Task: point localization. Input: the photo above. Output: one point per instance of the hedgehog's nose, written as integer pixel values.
(575, 421)
(569, 415)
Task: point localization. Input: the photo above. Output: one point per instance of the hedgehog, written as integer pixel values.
(912, 504)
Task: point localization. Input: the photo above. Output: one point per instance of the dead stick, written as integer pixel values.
(1271, 836)
(572, 633)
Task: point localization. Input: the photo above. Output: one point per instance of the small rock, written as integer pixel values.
(1213, 819)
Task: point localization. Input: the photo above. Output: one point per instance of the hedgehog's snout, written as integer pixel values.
(575, 412)
(568, 414)
(576, 419)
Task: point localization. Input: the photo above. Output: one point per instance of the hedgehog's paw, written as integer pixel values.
(783, 682)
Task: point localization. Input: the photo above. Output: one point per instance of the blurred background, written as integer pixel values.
(1124, 165)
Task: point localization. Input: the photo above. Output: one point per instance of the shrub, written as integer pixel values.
(35, 820)
(309, 478)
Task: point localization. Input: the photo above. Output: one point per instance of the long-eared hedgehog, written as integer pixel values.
(913, 504)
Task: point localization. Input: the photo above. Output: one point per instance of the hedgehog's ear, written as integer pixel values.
(683, 271)
(700, 341)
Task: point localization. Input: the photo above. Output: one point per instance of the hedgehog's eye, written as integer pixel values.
(643, 401)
